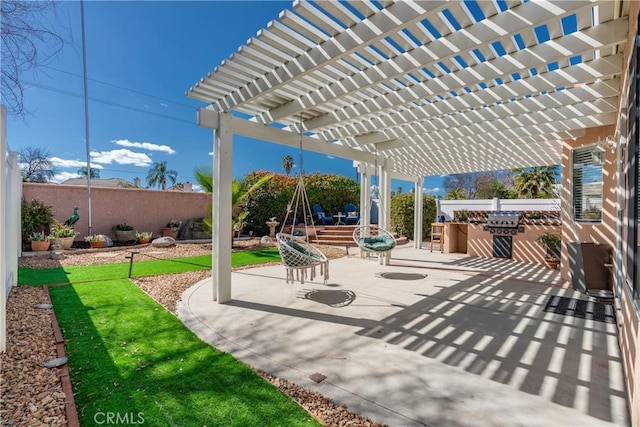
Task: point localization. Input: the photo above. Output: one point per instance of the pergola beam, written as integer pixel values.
(210, 118)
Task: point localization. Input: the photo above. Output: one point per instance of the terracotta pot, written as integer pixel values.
(64, 242)
(39, 246)
(97, 244)
(170, 232)
(143, 241)
(551, 263)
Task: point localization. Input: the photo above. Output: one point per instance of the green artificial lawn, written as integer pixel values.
(141, 267)
(129, 356)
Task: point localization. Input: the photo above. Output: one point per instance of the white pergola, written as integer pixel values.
(415, 88)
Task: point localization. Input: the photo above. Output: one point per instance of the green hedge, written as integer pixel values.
(330, 191)
(402, 213)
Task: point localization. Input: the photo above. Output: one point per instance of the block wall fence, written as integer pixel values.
(144, 210)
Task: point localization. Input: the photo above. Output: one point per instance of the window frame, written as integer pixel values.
(581, 215)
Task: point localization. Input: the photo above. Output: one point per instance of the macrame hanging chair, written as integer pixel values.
(373, 240)
(299, 257)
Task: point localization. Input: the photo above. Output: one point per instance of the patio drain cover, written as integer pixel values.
(402, 276)
(590, 310)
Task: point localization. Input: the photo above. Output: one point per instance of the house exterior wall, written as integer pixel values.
(144, 210)
(572, 231)
(629, 312)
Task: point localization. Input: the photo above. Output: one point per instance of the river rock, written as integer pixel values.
(163, 242)
(266, 242)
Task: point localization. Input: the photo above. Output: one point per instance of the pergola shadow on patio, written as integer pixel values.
(432, 339)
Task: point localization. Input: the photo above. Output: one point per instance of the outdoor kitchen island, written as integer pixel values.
(503, 235)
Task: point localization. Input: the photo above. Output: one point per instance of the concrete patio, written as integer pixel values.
(443, 340)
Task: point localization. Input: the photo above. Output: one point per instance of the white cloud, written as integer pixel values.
(162, 104)
(63, 163)
(211, 153)
(63, 176)
(122, 157)
(145, 146)
(197, 188)
(435, 190)
(330, 157)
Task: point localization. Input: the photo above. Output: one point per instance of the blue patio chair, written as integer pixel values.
(351, 214)
(320, 217)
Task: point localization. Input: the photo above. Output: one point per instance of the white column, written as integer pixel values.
(495, 204)
(365, 194)
(221, 202)
(418, 214)
(385, 195)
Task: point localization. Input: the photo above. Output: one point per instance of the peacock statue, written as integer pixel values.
(73, 218)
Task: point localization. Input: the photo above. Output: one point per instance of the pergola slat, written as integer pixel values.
(433, 85)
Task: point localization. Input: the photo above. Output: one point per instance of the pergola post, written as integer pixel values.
(384, 214)
(221, 204)
(418, 213)
(365, 194)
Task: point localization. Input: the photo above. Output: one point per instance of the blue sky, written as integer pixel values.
(141, 58)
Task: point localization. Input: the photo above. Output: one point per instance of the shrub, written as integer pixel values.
(60, 230)
(268, 201)
(38, 237)
(402, 213)
(122, 227)
(36, 217)
(331, 191)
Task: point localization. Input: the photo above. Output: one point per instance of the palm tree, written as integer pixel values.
(95, 173)
(158, 175)
(456, 194)
(536, 182)
(239, 194)
(287, 164)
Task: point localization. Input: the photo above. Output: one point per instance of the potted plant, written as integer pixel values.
(96, 240)
(461, 216)
(62, 235)
(39, 242)
(172, 228)
(144, 237)
(551, 242)
(124, 232)
(36, 217)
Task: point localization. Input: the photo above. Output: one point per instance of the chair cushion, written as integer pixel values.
(378, 243)
(352, 214)
(302, 250)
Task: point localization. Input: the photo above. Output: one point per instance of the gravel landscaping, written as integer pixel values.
(32, 395)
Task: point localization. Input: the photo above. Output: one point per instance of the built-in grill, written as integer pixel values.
(503, 222)
(503, 219)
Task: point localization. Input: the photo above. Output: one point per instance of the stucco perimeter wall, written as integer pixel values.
(524, 247)
(144, 210)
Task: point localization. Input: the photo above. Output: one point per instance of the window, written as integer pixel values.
(587, 183)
